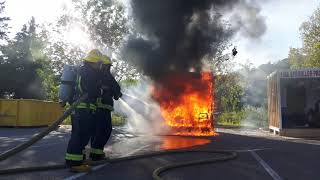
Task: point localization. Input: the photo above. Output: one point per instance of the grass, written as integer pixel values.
(67, 121)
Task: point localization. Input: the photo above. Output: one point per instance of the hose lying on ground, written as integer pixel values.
(227, 155)
(42, 134)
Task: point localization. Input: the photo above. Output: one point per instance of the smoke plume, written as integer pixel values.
(248, 21)
(177, 35)
(173, 37)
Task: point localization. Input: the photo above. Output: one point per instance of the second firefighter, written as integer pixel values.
(110, 90)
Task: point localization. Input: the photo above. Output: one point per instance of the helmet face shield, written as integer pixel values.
(106, 60)
(97, 66)
(106, 68)
(100, 65)
(98, 60)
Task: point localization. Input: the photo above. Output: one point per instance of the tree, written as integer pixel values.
(309, 54)
(296, 58)
(228, 93)
(254, 81)
(106, 21)
(269, 68)
(3, 22)
(310, 31)
(107, 25)
(61, 53)
(18, 66)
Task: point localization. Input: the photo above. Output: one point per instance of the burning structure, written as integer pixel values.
(187, 103)
(171, 38)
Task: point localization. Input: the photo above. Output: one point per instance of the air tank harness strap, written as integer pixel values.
(87, 106)
(103, 106)
(78, 83)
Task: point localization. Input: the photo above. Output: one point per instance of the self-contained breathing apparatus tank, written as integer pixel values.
(67, 86)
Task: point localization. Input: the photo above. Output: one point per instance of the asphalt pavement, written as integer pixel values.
(261, 155)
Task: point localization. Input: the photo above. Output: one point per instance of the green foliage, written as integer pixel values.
(241, 97)
(255, 117)
(106, 22)
(61, 53)
(47, 73)
(118, 120)
(25, 67)
(107, 26)
(67, 121)
(3, 22)
(310, 31)
(309, 54)
(248, 117)
(268, 68)
(18, 67)
(129, 82)
(296, 58)
(254, 81)
(233, 118)
(50, 83)
(31, 63)
(228, 93)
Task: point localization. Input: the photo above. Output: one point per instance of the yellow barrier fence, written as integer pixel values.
(28, 113)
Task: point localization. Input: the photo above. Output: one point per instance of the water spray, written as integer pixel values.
(225, 154)
(137, 119)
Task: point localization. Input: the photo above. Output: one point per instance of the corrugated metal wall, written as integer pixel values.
(27, 113)
(273, 101)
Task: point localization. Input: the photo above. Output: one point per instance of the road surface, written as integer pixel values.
(261, 156)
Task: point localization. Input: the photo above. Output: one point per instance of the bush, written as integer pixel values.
(118, 120)
(67, 121)
(250, 117)
(230, 118)
(255, 117)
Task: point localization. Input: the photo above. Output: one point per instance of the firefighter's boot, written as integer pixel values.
(97, 157)
(81, 168)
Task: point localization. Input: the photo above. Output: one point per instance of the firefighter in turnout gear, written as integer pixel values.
(84, 118)
(110, 90)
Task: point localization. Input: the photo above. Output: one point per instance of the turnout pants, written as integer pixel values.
(103, 128)
(83, 127)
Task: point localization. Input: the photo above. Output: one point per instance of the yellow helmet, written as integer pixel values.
(94, 56)
(106, 60)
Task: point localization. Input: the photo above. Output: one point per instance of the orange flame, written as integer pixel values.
(187, 103)
(171, 142)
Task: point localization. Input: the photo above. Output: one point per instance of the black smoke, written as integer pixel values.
(176, 35)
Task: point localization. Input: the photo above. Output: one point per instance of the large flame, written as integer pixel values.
(187, 103)
(174, 142)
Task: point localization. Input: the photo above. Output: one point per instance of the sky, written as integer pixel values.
(21, 11)
(283, 19)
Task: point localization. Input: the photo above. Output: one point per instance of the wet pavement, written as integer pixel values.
(260, 156)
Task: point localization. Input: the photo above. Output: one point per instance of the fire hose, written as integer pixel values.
(227, 155)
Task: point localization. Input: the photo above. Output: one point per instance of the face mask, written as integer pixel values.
(100, 66)
(106, 69)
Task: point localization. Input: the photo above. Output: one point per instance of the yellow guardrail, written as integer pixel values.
(28, 113)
